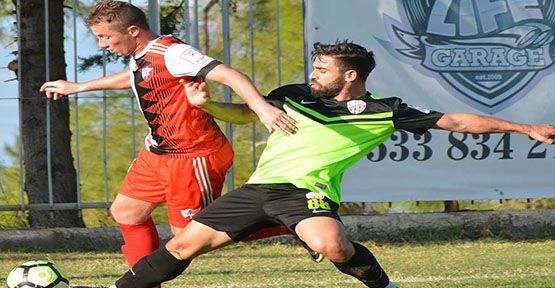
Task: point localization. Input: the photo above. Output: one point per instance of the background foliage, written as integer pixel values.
(118, 121)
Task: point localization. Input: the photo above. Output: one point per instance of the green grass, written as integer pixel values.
(462, 264)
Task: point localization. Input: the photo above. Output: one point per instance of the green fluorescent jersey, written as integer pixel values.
(332, 136)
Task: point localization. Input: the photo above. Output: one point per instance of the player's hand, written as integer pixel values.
(58, 89)
(275, 119)
(197, 93)
(543, 133)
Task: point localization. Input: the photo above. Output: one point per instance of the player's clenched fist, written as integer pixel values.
(197, 93)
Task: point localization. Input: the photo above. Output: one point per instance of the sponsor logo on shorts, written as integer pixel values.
(321, 211)
(189, 213)
(317, 202)
(314, 195)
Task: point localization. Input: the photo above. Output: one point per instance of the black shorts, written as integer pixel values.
(252, 207)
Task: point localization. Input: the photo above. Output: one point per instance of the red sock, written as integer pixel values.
(268, 232)
(140, 240)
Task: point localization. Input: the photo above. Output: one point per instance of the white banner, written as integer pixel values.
(451, 56)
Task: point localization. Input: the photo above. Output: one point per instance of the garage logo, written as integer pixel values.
(488, 53)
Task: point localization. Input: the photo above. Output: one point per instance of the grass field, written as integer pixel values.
(482, 264)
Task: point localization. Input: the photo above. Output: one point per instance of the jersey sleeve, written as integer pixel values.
(185, 60)
(414, 119)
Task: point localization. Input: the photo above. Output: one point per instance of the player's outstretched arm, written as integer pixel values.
(197, 94)
(57, 89)
(272, 117)
(473, 123)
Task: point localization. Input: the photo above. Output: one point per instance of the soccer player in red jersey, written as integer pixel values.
(185, 156)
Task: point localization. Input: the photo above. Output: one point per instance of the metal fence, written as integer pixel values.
(190, 34)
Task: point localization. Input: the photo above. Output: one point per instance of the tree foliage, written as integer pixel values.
(49, 171)
(7, 29)
(118, 122)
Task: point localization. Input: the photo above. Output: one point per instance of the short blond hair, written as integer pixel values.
(120, 13)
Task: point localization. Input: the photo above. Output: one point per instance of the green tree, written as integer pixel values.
(118, 125)
(34, 117)
(118, 115)
(265, 72)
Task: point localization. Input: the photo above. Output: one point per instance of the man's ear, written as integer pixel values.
(350, 75)
(133, 30)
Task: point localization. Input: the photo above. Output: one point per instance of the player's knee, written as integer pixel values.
(333, 249)
(115, 213)
(316, 245)
(186, 249)
(339, 252)
(127, 216)
(188, 244)
(120, 215)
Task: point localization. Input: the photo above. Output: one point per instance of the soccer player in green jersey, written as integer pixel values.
(297, 181)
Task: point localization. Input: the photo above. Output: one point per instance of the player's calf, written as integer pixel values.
(152, 270)
(140, 240)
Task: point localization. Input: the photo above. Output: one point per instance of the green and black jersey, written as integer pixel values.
(332, 136)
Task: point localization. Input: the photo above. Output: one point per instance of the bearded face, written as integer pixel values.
(327, 91)
(327, 79)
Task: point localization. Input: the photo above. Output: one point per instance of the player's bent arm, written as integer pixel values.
(198, 95)
(270, 116)
(240, 84)
(476, 124)
(230, 112)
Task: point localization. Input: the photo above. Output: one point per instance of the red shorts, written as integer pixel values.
(186, 185)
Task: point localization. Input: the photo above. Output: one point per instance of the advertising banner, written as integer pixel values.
(454, 56)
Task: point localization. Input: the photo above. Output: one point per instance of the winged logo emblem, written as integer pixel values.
(487, 53)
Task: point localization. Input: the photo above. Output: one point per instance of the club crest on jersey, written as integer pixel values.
(487, 53)
(356, 106)
(145, 73)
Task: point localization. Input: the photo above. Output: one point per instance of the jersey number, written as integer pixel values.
(314, 204)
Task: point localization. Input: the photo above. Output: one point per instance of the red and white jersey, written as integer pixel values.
(176, 126)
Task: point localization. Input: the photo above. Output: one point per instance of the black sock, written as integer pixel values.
(364, 266)
(152, 270)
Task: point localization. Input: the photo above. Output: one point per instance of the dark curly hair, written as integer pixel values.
(349, 56)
